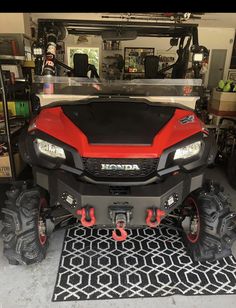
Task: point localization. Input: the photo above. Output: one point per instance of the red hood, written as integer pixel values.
(55, 123)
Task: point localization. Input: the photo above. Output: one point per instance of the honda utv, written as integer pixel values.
(117, 155)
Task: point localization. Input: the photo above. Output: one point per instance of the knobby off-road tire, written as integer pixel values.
(216, 228)
(25, 239)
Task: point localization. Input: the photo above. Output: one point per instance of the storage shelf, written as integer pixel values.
(14, 132)
(5, 180)
(12, 123)
(7, 57)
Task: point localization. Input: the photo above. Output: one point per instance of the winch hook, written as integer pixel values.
(123, 234)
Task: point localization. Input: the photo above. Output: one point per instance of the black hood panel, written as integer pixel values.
(119, 122)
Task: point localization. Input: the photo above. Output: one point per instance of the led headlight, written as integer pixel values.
(50, 149)
(188, 151)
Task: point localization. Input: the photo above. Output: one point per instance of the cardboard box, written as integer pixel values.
(11, 108)
(5, 170)
(223, 103)
(17, 108)
(22, 108)
(216, 120)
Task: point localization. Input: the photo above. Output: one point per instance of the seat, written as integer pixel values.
(151, 64)
(82, 66)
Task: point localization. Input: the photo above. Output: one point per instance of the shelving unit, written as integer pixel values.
(135, 57)
(166, 58)
(11, 165)
(110, 61)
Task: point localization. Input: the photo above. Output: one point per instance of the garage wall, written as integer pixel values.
(93, 41)
(11, 23)
(218, 38)
(157, 43)
(15, 23)
(212, 38)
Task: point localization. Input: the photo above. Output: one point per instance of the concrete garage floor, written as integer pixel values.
(32, 286)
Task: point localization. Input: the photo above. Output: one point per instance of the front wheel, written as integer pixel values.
(209, 229)
(25, 238)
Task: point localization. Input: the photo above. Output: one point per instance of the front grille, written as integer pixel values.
(119, 190)
(147, 167)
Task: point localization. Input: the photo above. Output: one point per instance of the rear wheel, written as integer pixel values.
(209, 229)
(24, 234)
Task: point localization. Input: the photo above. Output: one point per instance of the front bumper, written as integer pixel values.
(72, 194)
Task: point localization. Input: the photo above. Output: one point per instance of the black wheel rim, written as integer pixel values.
(42, 222)
(191, 211)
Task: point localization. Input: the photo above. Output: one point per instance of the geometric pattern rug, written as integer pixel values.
(150, 263)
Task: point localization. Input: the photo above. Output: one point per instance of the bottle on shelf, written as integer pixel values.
(111, 45)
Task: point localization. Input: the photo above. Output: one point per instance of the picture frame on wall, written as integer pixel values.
(134, 58)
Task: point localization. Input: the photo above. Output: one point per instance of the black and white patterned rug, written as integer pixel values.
(150, 263)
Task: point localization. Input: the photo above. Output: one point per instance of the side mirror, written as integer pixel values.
(124, 35)
(174, 41)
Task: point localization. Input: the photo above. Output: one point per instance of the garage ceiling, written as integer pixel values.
(221, 20)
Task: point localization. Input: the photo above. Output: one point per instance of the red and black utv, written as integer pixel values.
(117, 155)
(118, 161)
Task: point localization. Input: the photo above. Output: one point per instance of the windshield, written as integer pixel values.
(135, 87)
(50, 89)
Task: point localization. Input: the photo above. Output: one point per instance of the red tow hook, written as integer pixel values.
(151, 213)
(160, 214)
(123, 234)
(83, 220)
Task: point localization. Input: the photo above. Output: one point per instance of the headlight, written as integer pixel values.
(188, 151)
(50, 149)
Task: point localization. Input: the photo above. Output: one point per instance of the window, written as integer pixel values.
(93, 55)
